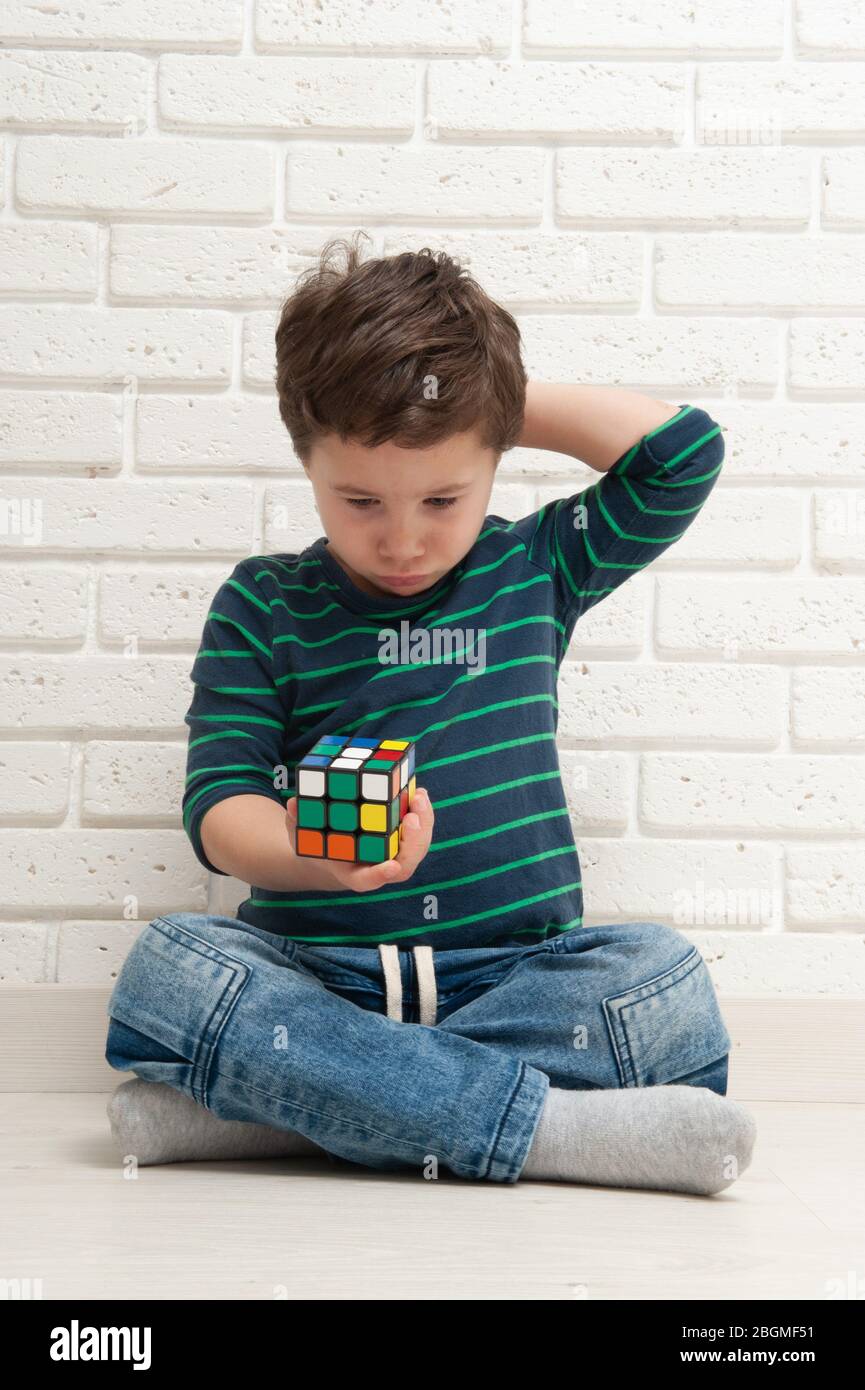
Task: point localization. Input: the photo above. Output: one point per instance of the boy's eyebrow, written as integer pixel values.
(430, 492)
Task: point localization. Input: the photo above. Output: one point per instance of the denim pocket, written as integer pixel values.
(668, 1027)
(179, 990)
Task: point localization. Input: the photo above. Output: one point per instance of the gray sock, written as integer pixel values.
(677, 1138)
(159, 1124)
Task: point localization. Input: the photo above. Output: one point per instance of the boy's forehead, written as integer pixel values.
(350, 466)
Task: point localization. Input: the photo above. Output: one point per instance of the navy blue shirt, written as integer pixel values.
(293, 650)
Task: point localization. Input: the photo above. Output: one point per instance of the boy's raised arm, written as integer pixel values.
(596, 424)
(659, 464)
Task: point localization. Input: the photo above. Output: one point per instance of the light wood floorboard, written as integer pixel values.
(794, 1222)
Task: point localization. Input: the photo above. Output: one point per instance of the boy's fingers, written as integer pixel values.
(413, 842)
(366, 879)
(415, 829)
(391, 870)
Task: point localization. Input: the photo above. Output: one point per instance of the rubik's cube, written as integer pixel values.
(352, 796)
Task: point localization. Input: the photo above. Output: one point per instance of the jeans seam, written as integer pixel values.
(338, 1120)
(232, 989)
(492, 1156)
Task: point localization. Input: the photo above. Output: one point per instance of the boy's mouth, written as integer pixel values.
(400, 581)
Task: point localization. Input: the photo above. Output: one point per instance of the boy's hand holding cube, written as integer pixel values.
(358, 813)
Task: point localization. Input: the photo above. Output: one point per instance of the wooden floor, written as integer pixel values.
(792, 1227)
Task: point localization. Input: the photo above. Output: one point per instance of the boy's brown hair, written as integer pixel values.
(407, 348)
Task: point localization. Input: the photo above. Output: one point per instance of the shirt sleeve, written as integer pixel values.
(236, 719)
(591, 542)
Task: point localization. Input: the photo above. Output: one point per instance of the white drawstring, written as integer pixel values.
(426, 984)
(426, 981)
(392, 979)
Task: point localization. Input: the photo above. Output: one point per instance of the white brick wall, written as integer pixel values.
(669, 196)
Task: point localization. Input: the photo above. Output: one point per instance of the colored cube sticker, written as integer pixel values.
(352, 797)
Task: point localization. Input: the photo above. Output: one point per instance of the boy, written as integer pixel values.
(537, 1047)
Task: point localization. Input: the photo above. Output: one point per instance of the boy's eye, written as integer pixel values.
(438, 503)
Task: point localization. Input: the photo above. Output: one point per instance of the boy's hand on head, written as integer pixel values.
(415, 837)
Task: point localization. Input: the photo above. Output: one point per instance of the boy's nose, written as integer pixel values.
(404, 558)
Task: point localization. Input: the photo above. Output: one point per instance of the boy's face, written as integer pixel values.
(389, 511)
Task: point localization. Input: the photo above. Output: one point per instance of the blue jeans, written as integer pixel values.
(257, 1027)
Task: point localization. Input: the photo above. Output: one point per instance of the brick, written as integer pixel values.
(25, 948)
(152, 178)
(415, 182)
(169, 604)
(133, 783)
(783, 794)
(829, 28)
(679, 882)
(35, 780)
(473, 26)
(544, 466)
(793, 441)
(573, 27)
(689, 189)
(42, 603)
(92, 953)
(105, 694)
(259, 349)
(90, 344)
(115, 515)
(242, 433)
(291, 522)
(124, 23)
(784, 964)
(73, 91)
(587, 101)
(597, 789)
(743, 272)
(633, 704)
(60, 429)
(288, 94)
(842, 185)
(741, 527)
(804, 100)
(827, 704)
(96, 870)
(827, 355)
(826, 888)
(749, 618)
(839, 529)
(672, 354)
(49, 259)
(510, 500)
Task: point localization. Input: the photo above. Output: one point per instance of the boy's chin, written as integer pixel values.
(386, 587)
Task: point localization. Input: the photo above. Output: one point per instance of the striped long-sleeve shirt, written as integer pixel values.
(292, 650)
